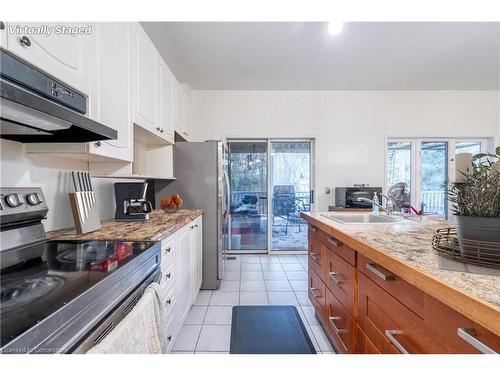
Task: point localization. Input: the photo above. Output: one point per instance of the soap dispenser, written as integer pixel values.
(375, 207)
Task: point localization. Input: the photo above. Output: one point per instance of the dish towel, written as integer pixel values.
(141, 331)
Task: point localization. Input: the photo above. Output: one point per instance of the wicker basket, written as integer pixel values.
(170, 210)
(482, 253)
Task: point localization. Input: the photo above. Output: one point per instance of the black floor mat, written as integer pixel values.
(269, 330)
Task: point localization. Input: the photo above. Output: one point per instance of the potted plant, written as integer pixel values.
(475, 200)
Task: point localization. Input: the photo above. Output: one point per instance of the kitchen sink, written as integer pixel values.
(348, 218)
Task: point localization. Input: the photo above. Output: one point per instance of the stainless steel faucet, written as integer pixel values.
(389, 209)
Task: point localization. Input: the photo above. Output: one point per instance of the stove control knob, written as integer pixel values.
(33, 199)
(14, 200)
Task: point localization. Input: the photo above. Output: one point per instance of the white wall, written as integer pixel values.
(349, 126)
(53, 176)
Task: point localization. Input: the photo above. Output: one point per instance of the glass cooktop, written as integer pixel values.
(38, 280)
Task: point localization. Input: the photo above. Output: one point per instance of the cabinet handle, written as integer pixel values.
(192, 226)
(374, 268)
(161, 130)
(337, 330)
(315, 292)
(196, 226)
(314, 257)
(25, 41)
(169, 337)
(169, 301)
(390, 333)
(469, 336)
(168, 275)
(97, 144)
(168, 249)
(314, 229)
(158, 128)
(334, 242)
(335, 277)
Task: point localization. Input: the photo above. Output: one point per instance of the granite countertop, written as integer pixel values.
(159, 226)
(412, 245)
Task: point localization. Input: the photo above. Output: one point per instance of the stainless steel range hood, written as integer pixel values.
(36, 108)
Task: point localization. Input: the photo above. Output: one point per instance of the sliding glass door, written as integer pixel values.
(271, 185)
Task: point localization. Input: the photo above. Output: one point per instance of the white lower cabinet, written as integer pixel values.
(181, 261)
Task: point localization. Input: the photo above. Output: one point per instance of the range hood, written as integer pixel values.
(35, 108)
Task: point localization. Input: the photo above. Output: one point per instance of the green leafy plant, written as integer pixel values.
(478, 194)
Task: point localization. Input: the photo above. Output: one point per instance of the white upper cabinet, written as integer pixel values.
(183, 110)
(111, 88)
(164, 108)
(3, 34)
(144, 80)
(63, 56)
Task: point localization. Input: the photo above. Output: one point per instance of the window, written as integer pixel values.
(425, 165)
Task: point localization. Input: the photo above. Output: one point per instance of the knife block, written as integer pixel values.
(85, 213)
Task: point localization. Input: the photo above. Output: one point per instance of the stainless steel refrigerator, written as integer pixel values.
(201, 175)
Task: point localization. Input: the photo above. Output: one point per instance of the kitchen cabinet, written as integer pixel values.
(111, 88)
(367, 308)
(165, 101)
(60, 54)
(183, 112)
(181, 260)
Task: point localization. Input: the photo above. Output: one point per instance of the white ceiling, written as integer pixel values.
(303, 56)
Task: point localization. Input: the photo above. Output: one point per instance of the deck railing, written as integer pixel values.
(434, 201)
(261, 205)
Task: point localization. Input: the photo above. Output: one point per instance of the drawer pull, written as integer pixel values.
(169, 337)
(169, 301)
(168, 249)
(390, 333)
(334, 242)
(315, 292)
(314, 257)
(168, 275)
(468, 335)
(335, 277)
(374, 268)
(337, 330)
(314, 229)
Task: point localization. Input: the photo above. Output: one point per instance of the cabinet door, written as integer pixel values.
(144, 80)
(197, 255)
(111, 89)
(61, 55)
(184, 299)
(164, 101)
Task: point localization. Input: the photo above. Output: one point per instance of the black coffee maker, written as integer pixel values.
(131, 203)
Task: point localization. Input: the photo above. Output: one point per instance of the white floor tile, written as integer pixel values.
(231, 275)
(278, 286)
(252, 286)
(251, 275)
(181, 352)
(219, 315)
(214, 338)
(274, 275)
(229, 286)
(272, 267)
(269, 259)
(292, 267)
(299, 285)
(296, 275)
(253, 298)
(251, 267)
(310, 315)
(282, 298)
(230, 266)
(250, 259)
(196, 315)
(203, 297)
(303, 298)
(188, 337)
(320, 336)
(288, 259)
(224, 298)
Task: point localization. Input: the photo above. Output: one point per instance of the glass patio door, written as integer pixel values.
(290, 187)
(270, 186)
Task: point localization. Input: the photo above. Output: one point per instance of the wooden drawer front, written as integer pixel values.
(339, 324)
(316, 292)
(316, 254)
(363, 343)
(445, 324)
(411, 297)
(339, 277)
(391, 326)
(339, 248)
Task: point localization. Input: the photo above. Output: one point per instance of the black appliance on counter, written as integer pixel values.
(58, 296)
(347, 197)
(38, 108)
(131, 203)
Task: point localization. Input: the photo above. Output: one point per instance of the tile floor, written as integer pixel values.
(249, 280)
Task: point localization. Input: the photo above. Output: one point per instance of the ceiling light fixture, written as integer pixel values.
(335, 27)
